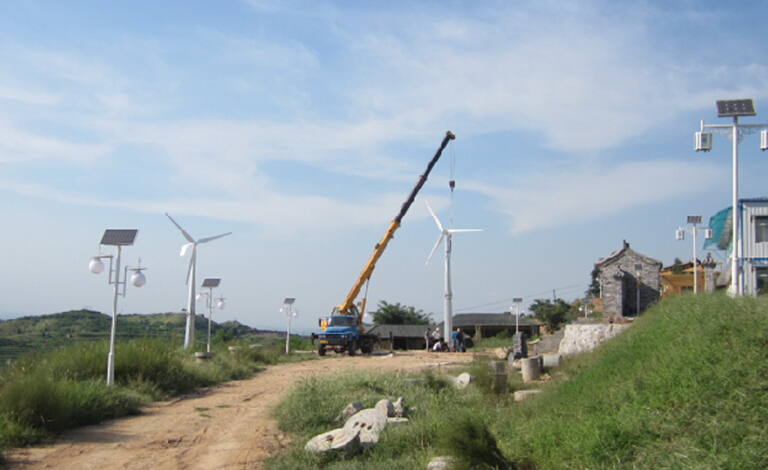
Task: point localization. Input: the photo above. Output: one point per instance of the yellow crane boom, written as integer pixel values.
(348, 306)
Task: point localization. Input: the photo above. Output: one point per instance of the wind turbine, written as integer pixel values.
(447, 235)
(189, 335)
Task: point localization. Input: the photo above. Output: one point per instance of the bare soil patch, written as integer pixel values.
(224, 427)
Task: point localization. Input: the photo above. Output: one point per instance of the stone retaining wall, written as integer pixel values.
(582, 338)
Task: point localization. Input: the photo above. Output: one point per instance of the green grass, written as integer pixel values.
(684, 388)
(47, 393)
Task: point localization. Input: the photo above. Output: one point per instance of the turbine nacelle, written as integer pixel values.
(445, 233)
(192, 243)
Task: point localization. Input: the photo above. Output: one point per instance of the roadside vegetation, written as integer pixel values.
(683, 388)
(46, 393)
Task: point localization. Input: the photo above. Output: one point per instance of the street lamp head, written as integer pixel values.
(200, 297)
(96, 266)
(138, 279)
(703, 142)
(222, 304)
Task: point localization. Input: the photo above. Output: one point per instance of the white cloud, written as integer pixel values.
(558, 199)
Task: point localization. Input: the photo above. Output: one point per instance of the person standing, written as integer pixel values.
(460, 338)
(427, 337)
(454, 341)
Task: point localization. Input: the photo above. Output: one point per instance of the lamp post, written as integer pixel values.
(585, 304)
(639, 274)
(735, 132)
(517, 302)
(287, 309)
(210, 304)
(119, 239)
(680, 235)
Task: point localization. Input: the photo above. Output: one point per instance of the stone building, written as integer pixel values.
(630, 282)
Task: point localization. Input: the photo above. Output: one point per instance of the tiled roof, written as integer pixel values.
(399, 331)
(459, 321)
(490, 319)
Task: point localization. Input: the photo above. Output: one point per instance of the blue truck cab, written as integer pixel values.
(341, 333)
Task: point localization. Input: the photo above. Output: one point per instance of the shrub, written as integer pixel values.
(472, 446)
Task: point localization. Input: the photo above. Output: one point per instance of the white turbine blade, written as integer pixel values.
(437, 221)
(192, 260)
(183, 232)
(439, 240)
(458, 230)
(185, 248)
(206, 240)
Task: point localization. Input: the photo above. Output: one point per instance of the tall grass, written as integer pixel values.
(435, 406)
(683, 388)
(48, 393)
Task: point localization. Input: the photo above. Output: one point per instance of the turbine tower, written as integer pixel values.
(447, 235)
(189, 335)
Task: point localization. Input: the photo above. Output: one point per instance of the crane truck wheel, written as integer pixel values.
(321, 350)
(352, 347)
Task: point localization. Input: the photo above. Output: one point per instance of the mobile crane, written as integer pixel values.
(343, 331)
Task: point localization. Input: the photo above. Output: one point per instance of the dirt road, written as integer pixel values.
(226, 427)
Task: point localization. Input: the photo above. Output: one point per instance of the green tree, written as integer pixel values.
(551, 313)
(593, 291)
(678, 267)
(396, 314)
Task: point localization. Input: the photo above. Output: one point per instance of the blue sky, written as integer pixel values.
(302, 126)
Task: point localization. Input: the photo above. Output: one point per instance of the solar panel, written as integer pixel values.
(694, 219)
(736, 108)
(289, 301)
(119, 237)
(211, 282)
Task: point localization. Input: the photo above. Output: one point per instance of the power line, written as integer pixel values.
(507, 301)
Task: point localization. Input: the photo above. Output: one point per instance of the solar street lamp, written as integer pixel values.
(119, 239)
(289, 312)
(210, 303)
(585, 304)
(735, 132)
(680, 235)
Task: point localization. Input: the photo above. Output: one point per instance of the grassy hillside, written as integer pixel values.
(683, 388)
(34, 333)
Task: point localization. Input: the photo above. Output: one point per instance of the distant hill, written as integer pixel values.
(22, 335)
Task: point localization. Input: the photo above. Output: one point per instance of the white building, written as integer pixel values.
(753, 214)
(754, 217)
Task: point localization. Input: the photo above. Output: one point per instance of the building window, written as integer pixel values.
(761, 229)
(762, 280)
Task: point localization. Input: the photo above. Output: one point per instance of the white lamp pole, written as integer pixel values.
(210, 303)
(639, 273)
(695, 220)
(735, 132)
(517, 302)
(290, 313)
(118, 238)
